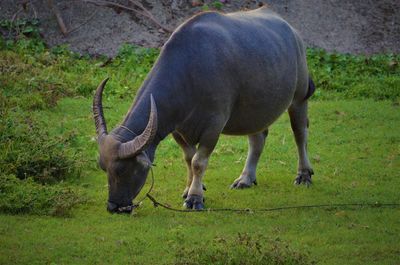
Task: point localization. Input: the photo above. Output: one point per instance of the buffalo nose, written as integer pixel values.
(112, 207)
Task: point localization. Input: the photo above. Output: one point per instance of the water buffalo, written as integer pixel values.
(218, 73)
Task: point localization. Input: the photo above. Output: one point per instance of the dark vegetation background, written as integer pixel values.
(48, 150)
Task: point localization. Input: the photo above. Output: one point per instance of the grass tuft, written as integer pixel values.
(28, 150)
(242, 249)
(26, 196)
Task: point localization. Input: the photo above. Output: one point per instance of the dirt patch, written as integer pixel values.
(346, 26)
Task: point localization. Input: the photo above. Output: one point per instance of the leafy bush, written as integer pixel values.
(28, 197)
(355, 76)
(217, 5)
(27, 81)
(23, 34)
(29, 151)
(30, 157)
(26, 27)
(40, 77)
(243, 249)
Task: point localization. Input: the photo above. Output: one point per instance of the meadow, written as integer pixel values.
(53, 195)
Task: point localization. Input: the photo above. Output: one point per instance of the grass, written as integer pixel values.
(354, 147)
(352, 164)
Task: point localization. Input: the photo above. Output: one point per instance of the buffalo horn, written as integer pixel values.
(142, 141)
(98, 115)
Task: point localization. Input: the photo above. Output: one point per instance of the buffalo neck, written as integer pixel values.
(163, 87)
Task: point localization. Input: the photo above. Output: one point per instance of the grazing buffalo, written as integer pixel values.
(217, 74)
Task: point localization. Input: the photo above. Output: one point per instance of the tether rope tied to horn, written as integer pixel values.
(251, 210)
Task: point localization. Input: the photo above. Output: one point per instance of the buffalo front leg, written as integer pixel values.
(248, 176)
(299, 123)
(188, 152)
(195, 199)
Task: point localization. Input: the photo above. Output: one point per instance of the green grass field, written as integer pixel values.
(354, 144)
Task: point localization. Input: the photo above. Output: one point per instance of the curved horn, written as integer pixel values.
(141, 142)
(98, 115)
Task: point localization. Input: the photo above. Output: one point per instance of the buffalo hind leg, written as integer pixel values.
(188, 153)
(248, 176)
(299, 123)
(195, 199)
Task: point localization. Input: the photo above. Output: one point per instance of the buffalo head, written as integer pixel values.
(126, 164)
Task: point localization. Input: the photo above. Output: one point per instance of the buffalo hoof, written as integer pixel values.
(194, 202)
(304, 177)
(186, 191)
(242, 184)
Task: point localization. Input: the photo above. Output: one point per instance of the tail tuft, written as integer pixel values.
(311, 88)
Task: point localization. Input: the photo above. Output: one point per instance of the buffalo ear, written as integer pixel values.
(144, 160)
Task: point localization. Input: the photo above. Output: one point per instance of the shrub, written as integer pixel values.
(217, 5)
(355, 76)
(30, 157)
(29, 151)
(28, 197)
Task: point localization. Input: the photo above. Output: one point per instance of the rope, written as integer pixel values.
(249, 210)
(136, 205)
(129, 130)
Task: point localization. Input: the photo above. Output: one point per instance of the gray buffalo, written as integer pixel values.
(217, 74)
